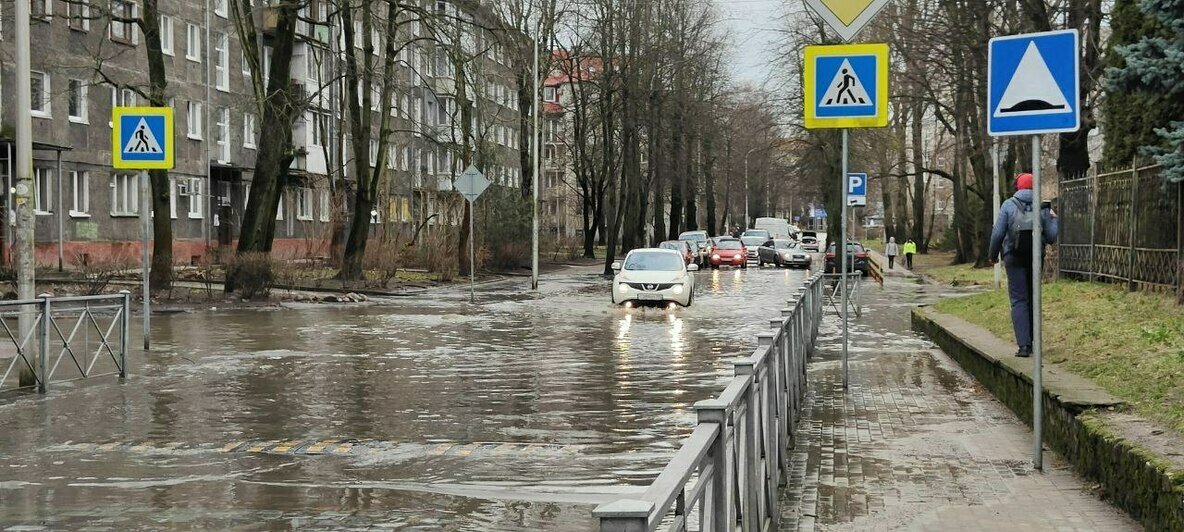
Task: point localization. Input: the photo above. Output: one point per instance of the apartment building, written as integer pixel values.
(84, 63)
(560, 202)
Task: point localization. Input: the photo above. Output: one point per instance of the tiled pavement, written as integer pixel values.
(916, 444)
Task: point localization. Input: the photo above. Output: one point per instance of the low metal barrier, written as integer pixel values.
(727, 473)
(833, 291)
(63, 337)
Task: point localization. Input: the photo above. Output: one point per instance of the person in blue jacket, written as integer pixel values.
(1012, 237)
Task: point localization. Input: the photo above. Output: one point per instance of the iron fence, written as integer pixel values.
(1121, 227)
(727, 473)
(63, 338)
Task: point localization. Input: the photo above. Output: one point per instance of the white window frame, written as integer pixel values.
(325, 203)
(550, 94)
(130, 31)
(166, 35)
(249, 131)
(45, 98)
(77, 88)
(125, 195)
(220, 8)
(373, 153)
(221, 56)
(43, 190)
(193, 42)
(172, 197)
(46, 14)
(304, 204)
(193, 120)
(222, 136)
(196, 198)
(80, 186)
(279, 208)
(80, 20)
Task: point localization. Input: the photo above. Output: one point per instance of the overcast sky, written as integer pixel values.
(753, 35)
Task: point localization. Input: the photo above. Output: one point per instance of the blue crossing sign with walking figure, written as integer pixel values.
(846, 86)
(142, 138)
(1033, 84)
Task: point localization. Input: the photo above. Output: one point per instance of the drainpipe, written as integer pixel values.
(61, 213)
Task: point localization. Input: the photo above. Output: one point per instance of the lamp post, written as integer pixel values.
(537, 138)
(746, 218)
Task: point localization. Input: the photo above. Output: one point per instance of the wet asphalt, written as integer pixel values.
(520, 412)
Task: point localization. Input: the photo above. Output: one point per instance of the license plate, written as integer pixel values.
(649, 296)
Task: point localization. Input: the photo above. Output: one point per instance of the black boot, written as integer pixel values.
(1024, 351)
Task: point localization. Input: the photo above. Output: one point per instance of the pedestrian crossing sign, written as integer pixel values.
(142, 138)
(846, 86)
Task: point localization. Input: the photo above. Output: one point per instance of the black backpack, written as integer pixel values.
(1019, 231)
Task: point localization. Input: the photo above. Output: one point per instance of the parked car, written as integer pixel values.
(700, 242)
(783, 252)
(809, 243)
(682, 246)
(654, 276)
(728, 252)
(751, 244)
(856, 258)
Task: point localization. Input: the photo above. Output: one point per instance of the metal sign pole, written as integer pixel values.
(1037, 280)
(841, 251)
(996, 202)
(472, 254)
(145, 208)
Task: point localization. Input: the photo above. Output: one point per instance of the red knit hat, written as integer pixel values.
(1023, 182)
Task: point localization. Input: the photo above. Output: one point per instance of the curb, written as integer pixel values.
(1083, 423)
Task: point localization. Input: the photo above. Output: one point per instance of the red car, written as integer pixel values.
(728, 252)
(680, 246)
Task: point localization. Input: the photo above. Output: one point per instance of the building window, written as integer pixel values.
(41, 9)
(125, 195)
(166, 35)
(121, 98)
(223, 138)
(196, 197)
(279, 209)
(220, 8)
(39, 91)
(79, 15)
(392, 152)
(43, 191)
(373, 153)
(173, 197)
(317, 123)
(324, 205)
(550, 94)
(76, 91)
(249, 131)
(193, 43)
(222, 62)
(80, 185)
(193, 121)
(246, 66)
(304, 204)
(123, 30)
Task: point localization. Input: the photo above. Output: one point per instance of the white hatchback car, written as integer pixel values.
(654, 276)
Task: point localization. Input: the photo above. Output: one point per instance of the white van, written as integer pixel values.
(778, 227)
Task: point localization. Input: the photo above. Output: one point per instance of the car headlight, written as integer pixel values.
(622, 287)
(715, 256)
(677, 289)
(738, 255)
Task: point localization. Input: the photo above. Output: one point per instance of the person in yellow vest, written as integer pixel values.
(910, 249)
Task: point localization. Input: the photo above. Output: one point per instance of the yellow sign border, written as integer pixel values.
(813, 52)
(117, 161)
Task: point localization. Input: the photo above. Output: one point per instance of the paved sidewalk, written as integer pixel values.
(917, 444)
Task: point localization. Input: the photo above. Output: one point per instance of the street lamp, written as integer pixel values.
(746, 218)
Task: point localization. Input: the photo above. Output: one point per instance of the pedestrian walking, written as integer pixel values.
(910, 249)
(891, 251)
(1012, 237)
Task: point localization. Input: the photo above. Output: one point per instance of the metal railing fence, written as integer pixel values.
(65, 337)
(727, 473)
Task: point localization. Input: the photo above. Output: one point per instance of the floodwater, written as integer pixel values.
(520, 412)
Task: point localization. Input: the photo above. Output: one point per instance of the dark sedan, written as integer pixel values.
(783, 252)
(856, 258)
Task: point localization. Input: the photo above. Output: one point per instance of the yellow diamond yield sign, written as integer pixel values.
(847, 17)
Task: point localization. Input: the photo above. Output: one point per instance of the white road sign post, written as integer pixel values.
(1033, 87)
(471, 183)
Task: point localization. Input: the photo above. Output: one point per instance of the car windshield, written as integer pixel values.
(756, 233)
(809, 239)
(783, 244)
(656, 262)
(676, 246)
(852, 247)
(694, 237)
(753, 240)
(728, 244)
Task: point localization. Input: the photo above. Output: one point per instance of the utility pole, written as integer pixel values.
(747, 220)
(537, 138)
(25, 261)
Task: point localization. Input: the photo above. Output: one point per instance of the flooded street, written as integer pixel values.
(520, 412)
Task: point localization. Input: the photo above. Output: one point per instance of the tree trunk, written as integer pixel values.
(161, 277)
